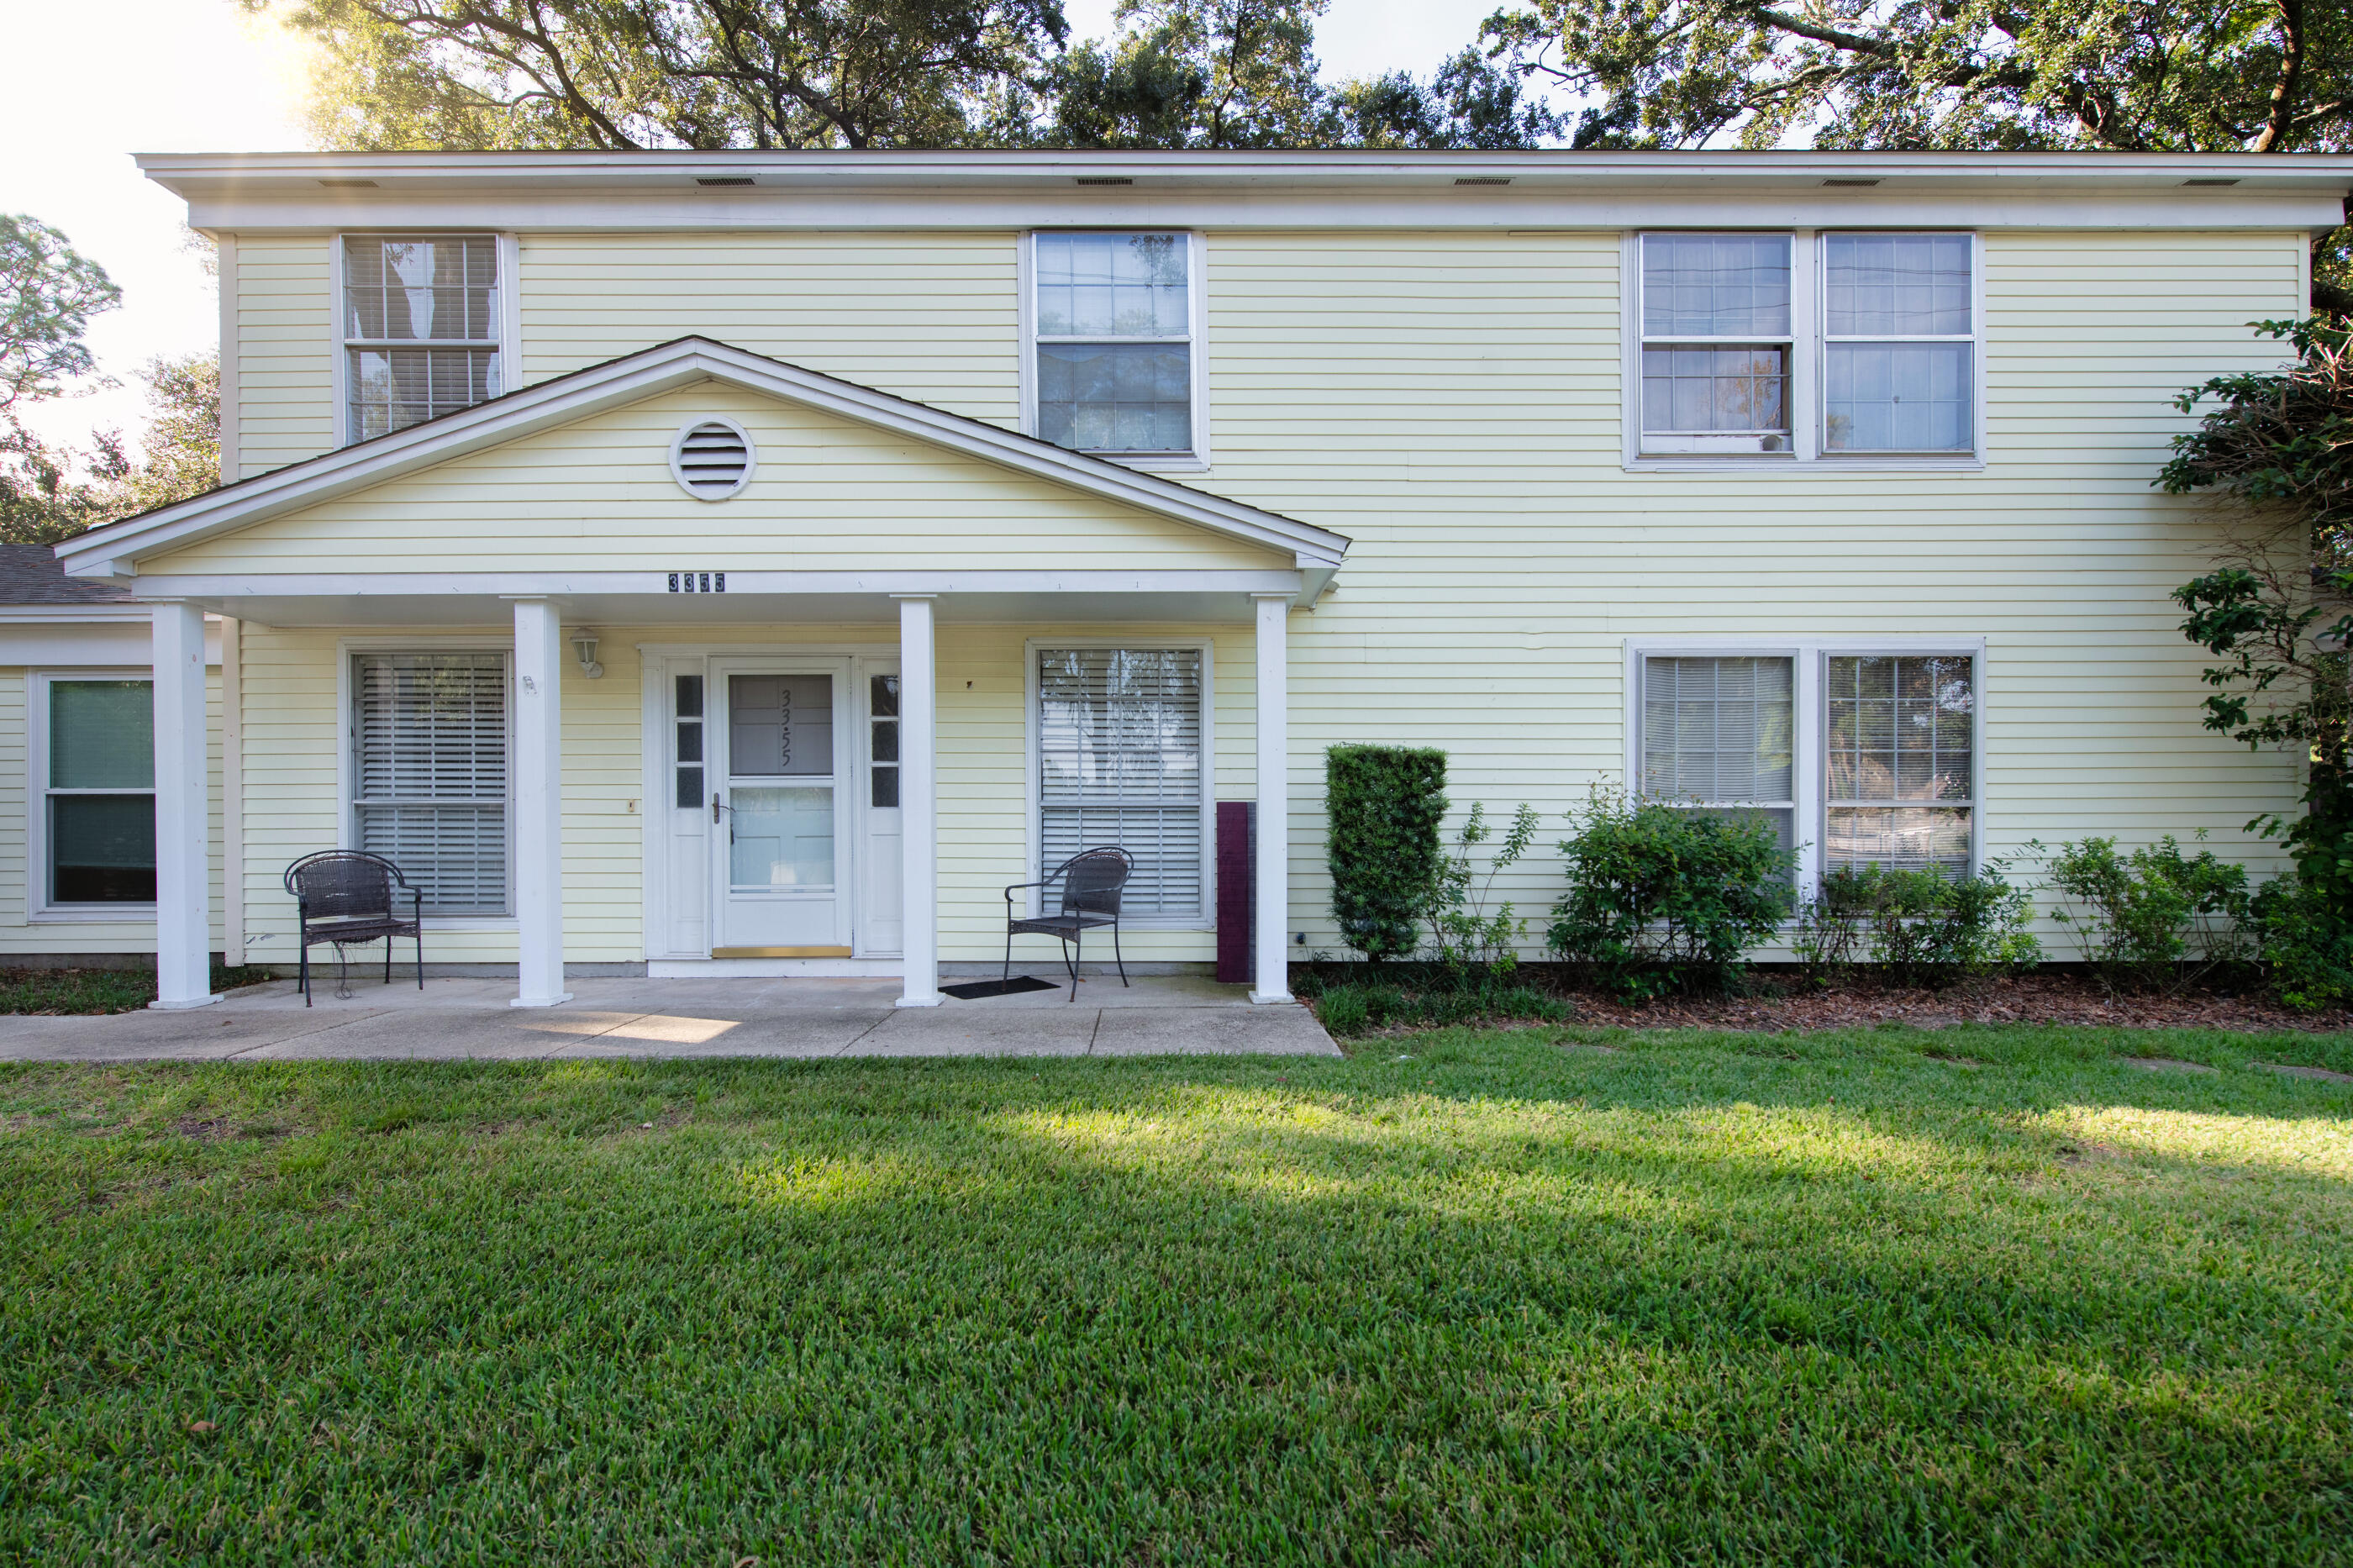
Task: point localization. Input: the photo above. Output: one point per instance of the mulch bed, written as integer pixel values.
(2048, 998)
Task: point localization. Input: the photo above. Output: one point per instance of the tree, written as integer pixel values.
(2134, 76)
(42, 502)
(625, 74)
(2276, 451)
(48, 292)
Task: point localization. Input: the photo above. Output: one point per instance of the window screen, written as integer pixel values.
(101, 789)
(1114, 342)
(420, 328)
(1119, 753)
(1717, 731)
(430, 765)
(1898, 313)
(1901, 774)
(1715, 342)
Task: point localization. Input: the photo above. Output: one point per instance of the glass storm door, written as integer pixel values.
(780, 851)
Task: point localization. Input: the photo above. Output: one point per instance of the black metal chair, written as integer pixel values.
(1091, 881)
(344, 896)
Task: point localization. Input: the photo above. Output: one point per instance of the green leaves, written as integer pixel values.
(1384, 805)
(48, 292)
(1666, 897)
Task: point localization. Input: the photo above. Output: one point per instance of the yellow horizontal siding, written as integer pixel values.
(829, 495)
(927, 316)
(285, 350)
(1452, 401)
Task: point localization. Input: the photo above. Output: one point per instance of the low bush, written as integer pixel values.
(2308, 952)
(1468, 938)
(2155, 919)
(1664, 898)
(1384, 805)
(1920, 927)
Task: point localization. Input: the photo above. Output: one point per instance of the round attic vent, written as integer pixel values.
(711, 460)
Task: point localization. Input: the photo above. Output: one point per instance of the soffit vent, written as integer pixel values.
(1858, 184)
(1485, 180)
(711, 460)
(2210, 181)
(1103, 180)
(723, 179)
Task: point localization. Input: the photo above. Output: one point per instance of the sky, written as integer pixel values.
(200, 76)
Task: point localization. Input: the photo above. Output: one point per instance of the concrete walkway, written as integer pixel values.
(797, 1018)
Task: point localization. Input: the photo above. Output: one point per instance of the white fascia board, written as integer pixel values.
(228, 587)
(108, 550)
(259, 192)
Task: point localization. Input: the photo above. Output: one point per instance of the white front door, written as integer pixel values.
(780, 841)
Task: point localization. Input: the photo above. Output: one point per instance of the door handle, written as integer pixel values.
(715, 808)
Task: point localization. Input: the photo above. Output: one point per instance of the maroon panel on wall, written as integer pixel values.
(1237, 842)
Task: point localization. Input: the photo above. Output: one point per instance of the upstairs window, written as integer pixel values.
(420, 318)
(1715, 342)
(1114, 349)
(1806, 346)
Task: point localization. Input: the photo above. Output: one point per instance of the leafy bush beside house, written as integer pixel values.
(1918, 927)
(1467, 936)
(1383, 807)
(1663, 898)
(2155, 919)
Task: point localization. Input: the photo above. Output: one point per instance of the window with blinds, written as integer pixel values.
(1119, 762)
(1719, 733)
(429, 774)
(102, 791)
(1902, 770)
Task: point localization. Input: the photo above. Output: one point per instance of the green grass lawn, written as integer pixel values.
(1463, 1298)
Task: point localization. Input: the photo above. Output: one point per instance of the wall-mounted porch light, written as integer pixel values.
(586, 642)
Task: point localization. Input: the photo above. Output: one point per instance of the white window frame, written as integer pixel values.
(1034, 774)
(347, 782)
(1809, 360)
(1197, 338)
(510, 313)
(1809, 659)
(37, 904)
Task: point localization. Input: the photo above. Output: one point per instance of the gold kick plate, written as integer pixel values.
(780, 952)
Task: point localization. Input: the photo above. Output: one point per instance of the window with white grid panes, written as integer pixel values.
(1900, 773)
(1715, 342)
(1898, 343)
(1113, 340)
(1717, 731)
(420, 329)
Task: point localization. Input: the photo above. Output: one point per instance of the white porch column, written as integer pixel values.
(539, 804)
(1270, 967)
(919, 811)
(184, 976)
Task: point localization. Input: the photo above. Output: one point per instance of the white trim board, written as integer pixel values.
(113, 551)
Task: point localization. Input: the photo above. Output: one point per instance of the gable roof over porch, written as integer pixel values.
(572, 475)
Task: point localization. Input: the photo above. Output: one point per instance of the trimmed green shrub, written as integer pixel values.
(1384, 805)
(2155, 919)
(1664, 898)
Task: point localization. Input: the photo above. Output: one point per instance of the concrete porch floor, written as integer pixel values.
(452, 1019)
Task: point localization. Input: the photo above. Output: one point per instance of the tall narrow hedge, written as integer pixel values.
(1384, 804)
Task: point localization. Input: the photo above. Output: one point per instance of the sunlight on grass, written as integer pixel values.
(2308, 1145)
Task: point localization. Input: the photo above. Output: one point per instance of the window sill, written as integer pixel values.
(1781, 465)
(1177, 463)
(93, 914)
(470, 923)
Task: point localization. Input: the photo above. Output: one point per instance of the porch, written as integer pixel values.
(810, 1020)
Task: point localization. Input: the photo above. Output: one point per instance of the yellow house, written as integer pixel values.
(700, 563)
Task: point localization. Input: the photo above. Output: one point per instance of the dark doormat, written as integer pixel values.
(973, 990)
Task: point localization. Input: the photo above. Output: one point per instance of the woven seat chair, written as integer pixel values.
(1091, 881)
(345, 896)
